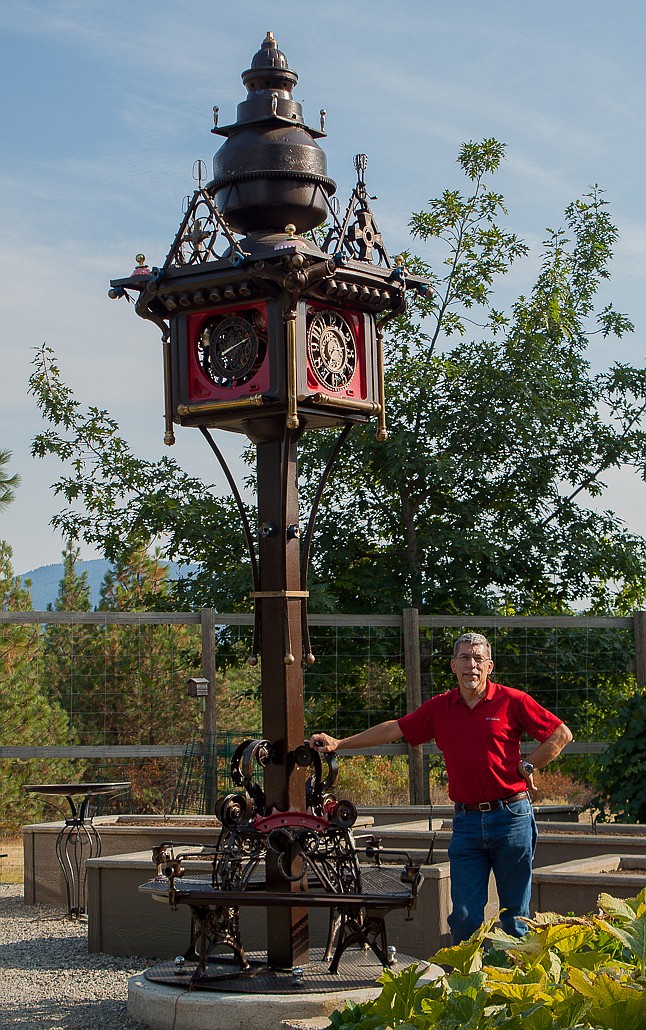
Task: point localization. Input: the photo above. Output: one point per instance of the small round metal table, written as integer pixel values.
(79, 838)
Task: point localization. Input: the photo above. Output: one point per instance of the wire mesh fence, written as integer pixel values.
(579, 672)
(75, 690)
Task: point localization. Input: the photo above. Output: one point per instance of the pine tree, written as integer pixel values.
(28, 716)
(8, 484)
(69, 652)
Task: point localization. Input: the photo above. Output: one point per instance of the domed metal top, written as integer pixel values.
(268, 67)
(270, 171)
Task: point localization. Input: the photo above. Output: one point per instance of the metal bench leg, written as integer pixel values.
(214, 927)
(366, 931)
(333, 932)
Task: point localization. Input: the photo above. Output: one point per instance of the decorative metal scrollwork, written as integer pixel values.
(358, 235)
(315, 844)
(198, 235)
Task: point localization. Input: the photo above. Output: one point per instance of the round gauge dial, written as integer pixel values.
(230, 350)
(331, 349)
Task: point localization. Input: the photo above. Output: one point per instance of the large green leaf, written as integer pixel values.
(616, 908)
(568, 1011)
(567, 938)
(465, 957)
(400, 995)
(632, 936)
(538, 1018)
(614, 1005)
(522, 992)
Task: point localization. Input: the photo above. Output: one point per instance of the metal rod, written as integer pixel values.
(209, 727)
(238, 499)
(169, 434)
(370, 407)
(382, 431)
(206, 406)
(309, 532)
(292, 409)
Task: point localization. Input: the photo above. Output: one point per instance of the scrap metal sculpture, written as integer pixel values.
(315, 852)
(272, 327)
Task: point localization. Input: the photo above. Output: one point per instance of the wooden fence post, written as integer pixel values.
(207, 620)
(410, 622)
(639, 624)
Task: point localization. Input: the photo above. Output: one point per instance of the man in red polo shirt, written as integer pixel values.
(478, 726)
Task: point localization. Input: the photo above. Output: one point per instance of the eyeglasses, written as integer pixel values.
(478, 659)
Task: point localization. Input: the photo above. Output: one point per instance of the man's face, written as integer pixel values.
(471, 666)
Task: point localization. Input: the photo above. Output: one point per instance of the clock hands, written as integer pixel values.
(232, 350)
(238, 343)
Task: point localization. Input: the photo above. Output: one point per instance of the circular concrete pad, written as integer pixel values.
(170, 1008)
(175, 1008)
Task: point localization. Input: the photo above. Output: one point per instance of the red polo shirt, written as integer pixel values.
(480, 745)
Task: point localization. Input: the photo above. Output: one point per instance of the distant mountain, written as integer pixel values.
(45, 580)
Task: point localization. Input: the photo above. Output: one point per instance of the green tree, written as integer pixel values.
(28, 715)
(499, 428)
(137, 694)
(73, 590)
(8, 484)
(476, 501)
(69, 651)
(122, 504)
(621, 772)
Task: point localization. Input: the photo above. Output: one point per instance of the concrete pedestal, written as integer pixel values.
(169, 1008)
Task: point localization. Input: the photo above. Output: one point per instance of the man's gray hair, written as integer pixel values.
(471, 639)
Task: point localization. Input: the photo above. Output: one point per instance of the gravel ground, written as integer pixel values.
(48, 981)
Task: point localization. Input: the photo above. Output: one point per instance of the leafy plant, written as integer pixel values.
(621, 772)
(578, 973)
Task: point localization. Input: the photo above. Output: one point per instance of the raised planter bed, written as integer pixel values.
(557, 842)
(44, 883)
(574, 886)
(121, 834)
(394, 815)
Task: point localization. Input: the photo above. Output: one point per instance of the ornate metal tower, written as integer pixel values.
(271, 327)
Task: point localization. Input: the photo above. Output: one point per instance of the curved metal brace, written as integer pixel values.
(307, 542)
(201, 196)
(248, 752)
(247, 532)
(142, 307)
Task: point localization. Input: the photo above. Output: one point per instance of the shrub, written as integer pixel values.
(578, 973)
(621, 771)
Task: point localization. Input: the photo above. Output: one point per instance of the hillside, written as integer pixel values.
(46, 578)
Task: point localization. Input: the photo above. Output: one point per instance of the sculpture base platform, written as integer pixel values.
(261, 1000)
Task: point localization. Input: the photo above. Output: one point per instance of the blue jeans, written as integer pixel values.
(502, 840)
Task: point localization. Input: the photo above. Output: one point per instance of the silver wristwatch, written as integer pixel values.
(527, 768)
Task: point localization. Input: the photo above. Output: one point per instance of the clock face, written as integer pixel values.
(229, 350)
(331, 349)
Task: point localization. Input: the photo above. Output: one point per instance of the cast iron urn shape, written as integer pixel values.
(272, 325)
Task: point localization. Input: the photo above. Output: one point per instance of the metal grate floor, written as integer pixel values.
(359, 969)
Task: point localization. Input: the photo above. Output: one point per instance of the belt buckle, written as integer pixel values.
(485, 806)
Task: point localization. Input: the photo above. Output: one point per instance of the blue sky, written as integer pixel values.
(105, 107)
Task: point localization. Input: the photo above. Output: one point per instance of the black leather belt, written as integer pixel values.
(487, 806)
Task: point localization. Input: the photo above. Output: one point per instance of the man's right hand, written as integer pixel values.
(324, 742)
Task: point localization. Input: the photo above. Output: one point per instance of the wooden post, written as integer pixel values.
(410, 620)
(207, 620)
(639, 624)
